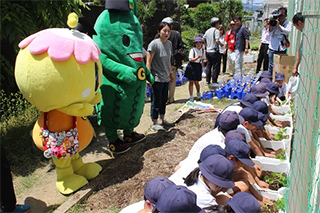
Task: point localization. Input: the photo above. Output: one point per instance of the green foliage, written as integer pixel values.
(202, 15)
(188, 37)
(280, 134)
(279, 179)
(254, 47)
(146, 10)
(281, 155)
(281, 204)
(17, 120)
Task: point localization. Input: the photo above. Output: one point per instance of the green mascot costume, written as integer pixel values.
(119, 37)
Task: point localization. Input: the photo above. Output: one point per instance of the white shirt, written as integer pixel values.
(277, 36)
(204, 197)
(222, 41)
(283, 90)
(214, 137)
(195, 52)
(133, 208)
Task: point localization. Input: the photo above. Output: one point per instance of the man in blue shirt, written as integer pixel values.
(242, 44)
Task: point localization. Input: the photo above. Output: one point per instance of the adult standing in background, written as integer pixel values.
(230, 43)
(158, 62)
(298, 22)
(264, 47)
(178, 53)
(223, 55)
(242, 44)
(279, 31)
(211, 39)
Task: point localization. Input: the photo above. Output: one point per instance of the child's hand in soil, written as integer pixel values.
(270, 155)
(258, 170)
(279, 124)
(263, 184)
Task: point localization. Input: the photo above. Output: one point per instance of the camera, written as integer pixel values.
(275, 17)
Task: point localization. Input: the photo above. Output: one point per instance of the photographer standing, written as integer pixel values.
(279, 29)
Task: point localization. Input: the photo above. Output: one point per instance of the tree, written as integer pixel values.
(19, 19)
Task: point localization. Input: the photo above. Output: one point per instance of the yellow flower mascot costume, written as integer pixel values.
(119, 36)
(58, 70)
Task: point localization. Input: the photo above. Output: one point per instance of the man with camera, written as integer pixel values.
(279, 29)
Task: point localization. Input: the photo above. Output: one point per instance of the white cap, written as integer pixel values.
(167, 20)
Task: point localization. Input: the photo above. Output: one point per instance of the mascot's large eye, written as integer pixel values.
(96, 72)
(126, 40)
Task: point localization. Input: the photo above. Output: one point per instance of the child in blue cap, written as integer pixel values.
(152, 192)
(238, 152)
(283, 87)
(194, 68)
(270, 100)
(214, 175)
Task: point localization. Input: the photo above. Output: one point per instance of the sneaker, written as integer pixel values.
(119, 146)
(198, 97)
(166, 124)
(134, 138)
(191, 99)
(21, 208)
(157, 127)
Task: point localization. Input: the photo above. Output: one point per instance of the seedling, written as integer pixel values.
(280, 135)
(275, 180)
(281, 155)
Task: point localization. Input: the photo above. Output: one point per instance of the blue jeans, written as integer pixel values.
(159, 96)
(271, 53)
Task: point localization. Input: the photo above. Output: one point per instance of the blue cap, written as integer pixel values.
(251, 115)
(229, 120)
(155, 187)
(243, 202)
(273, 87)
(266, 74)
(248, 99)
(178, 199)
(198, 39)
(235, 135)
(218, 170)
(280, 76)
(240, 150)
(265, 80)
(262, 107)
(211, 150)
(260, 90)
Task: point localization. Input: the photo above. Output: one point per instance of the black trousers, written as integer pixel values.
(224, 62)
(214, 60)
(263, 57)
(8, 197)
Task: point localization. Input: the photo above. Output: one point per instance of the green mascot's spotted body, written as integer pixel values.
(119, 37)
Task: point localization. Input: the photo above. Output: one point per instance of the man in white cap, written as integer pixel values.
(178, 53)
(211, 39)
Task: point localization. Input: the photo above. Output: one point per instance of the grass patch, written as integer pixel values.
(220, 103)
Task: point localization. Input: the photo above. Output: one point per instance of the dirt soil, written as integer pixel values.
(124, 176)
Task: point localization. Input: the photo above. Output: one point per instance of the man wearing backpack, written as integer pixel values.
(211, 39)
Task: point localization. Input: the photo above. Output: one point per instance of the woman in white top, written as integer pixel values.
(223, 56)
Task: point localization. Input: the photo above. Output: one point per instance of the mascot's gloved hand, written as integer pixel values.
(149, 76)
(118, 71)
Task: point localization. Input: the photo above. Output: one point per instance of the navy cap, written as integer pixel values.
(260, 90)
(280, 76)
(251, 115)
(240, 150)
(249, 99)
(198, 39)
(218, 170)
(85, 26)
(229, 120)
(178, 199)
(155, 187)
(118, 5)
(262, 107)
(235, 135)
(265, 80)
(273, 87)
(243, 202)
(266, 74)
(211, 150)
